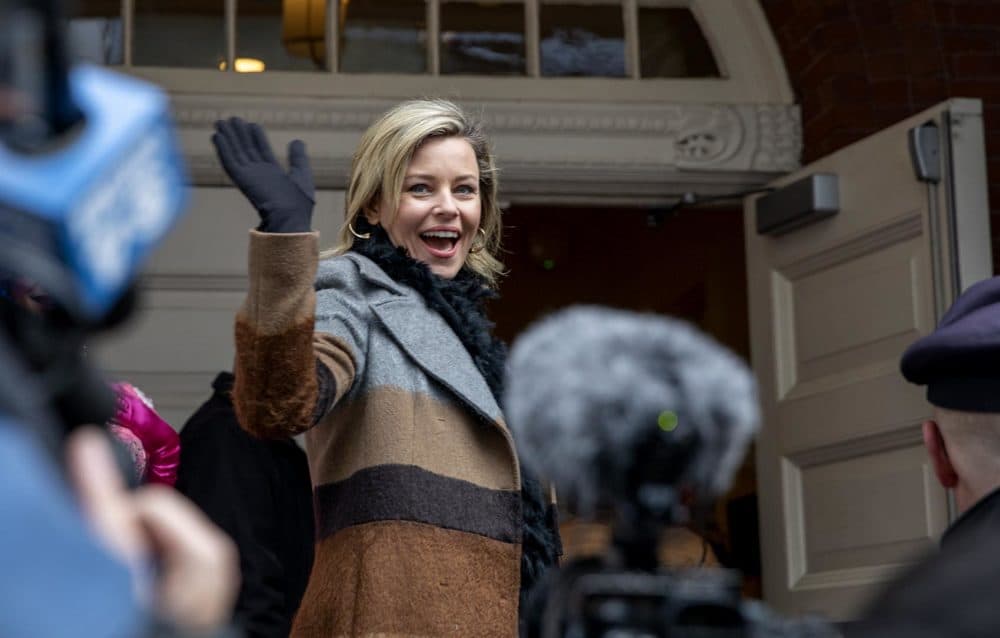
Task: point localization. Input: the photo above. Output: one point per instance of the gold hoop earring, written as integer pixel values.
(357, 234)
(478, 249)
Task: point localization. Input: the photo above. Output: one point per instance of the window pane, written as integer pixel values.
(671, 45)
(285, 36)
(185, 33)
(482, 39)
(582, 40)
(383, 36)
(95, 32)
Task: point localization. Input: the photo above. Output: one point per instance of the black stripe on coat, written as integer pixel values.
(409, 493)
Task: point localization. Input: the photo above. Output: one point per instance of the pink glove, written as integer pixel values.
(160, 443)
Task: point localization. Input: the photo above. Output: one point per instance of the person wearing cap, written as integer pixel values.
(959, 362)
(952, 592)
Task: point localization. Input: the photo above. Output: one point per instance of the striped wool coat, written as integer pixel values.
(415, 476)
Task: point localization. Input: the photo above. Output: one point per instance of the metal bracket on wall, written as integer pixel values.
(800, 203)
(925, 151)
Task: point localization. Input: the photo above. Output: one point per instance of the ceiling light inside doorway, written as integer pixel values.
(245, 65)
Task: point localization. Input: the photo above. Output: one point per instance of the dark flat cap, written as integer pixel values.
(959, 361)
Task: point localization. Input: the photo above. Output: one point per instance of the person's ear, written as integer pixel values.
(372, 212)
(938, 453)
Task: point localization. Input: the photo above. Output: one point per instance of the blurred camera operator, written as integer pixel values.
(81, 554)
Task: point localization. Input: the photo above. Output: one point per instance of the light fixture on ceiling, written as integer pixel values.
(245, 65)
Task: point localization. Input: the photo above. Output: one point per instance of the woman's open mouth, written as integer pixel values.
(441, 243)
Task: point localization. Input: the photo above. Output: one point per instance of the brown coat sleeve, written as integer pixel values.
(276, 390)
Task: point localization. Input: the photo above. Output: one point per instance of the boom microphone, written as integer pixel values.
(610, 404)
(632, 413)
(90, 181)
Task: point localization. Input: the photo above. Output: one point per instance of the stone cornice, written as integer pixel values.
(565, 149)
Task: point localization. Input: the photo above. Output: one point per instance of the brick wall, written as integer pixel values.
(857, 66)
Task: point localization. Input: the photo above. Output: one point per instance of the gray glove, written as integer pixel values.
(283, 200)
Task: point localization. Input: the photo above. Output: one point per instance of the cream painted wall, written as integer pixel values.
(182, 334)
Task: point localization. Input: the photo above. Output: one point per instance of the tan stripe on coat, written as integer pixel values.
(407, 428)
(282, 271)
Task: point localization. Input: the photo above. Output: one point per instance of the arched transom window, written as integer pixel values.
(717, 47)
(531, 38)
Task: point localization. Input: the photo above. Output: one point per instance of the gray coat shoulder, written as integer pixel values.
(334, 272)
(355, 272)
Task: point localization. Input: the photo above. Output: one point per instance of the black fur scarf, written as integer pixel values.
(460, 302)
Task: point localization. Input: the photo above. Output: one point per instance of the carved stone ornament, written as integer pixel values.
(563, 151)
(779, 138)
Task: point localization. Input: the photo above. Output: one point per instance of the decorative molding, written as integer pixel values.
(575, 149)
(803, 576)
(349, 114)
(708, 137)
(779, 138)
(795, 538)
(184, 387)
(864, 243)
(783, 334)
(902, 436)
(329, 172)
(851, 577)
(301, 114)
(195, 283)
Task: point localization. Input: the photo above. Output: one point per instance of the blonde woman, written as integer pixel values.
(381, 352)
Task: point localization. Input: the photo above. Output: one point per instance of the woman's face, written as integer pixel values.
(439, 208)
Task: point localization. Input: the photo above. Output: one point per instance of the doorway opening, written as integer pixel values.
(690, 266)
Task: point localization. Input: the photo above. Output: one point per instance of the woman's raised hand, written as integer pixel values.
(284, 200)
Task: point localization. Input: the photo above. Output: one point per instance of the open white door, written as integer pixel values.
(846, 494)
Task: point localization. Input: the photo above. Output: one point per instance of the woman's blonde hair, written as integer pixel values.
(384, 154)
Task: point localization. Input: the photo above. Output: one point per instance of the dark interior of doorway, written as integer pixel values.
(690, 266)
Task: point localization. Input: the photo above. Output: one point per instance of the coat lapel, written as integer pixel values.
(431, 343)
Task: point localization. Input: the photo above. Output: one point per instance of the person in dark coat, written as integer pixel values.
(953, 592)
(258, 492)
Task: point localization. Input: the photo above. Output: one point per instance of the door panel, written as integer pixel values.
(846, 494)
(830, 502)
